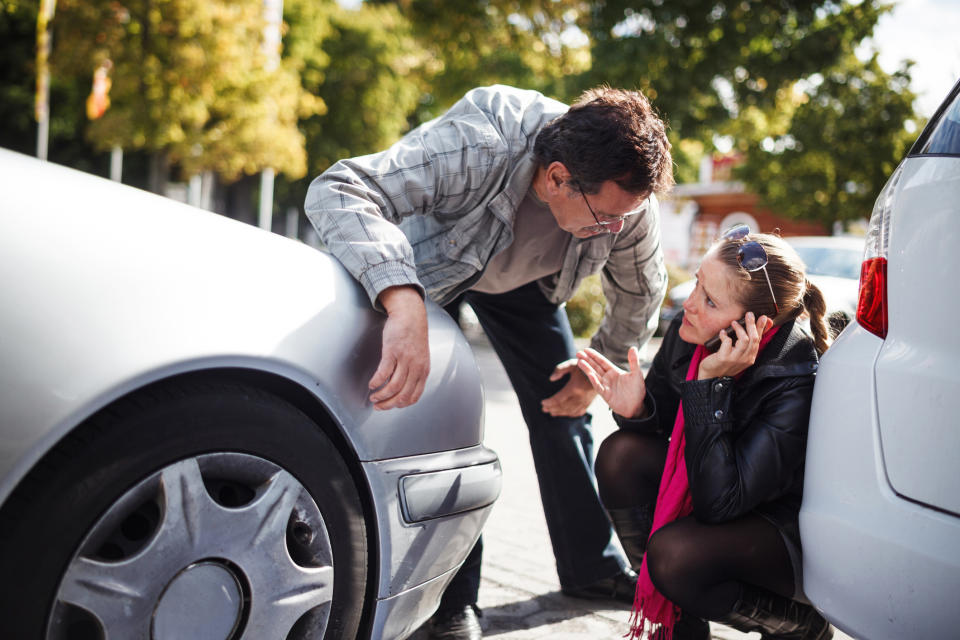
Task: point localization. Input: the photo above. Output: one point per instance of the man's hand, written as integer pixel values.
(623, 391)
(405, 360)
(575, 396)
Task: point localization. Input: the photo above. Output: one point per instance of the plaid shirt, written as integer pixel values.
(434, 208)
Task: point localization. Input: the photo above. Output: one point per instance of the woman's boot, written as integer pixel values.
(632, 525)
(776, 617)
(690, 627)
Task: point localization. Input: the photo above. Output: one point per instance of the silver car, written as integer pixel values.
(880, 521)
(186, 445)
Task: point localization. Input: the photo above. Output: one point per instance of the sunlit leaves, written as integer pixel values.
(835, 144)
(189, 81)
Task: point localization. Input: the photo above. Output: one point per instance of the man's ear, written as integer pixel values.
(557, 176)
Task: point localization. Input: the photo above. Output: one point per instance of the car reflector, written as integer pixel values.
(872, 303)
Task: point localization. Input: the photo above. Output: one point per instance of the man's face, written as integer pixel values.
(586, 215)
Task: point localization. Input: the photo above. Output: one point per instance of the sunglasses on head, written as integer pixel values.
(750, 254)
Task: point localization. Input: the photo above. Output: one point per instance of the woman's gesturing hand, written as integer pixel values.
(623, 390)
(732, 358)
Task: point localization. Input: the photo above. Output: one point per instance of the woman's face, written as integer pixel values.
(713, 304)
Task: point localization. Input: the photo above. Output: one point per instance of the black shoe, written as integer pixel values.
(456, 624)
(620, 587)
(690, 627)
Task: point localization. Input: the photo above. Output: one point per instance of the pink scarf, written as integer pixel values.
(652, 612)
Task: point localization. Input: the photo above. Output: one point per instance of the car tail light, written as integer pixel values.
(872, 302)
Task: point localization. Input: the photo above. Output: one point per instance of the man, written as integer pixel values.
(508, 201)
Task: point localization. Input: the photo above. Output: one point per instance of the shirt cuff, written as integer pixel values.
(391, 273)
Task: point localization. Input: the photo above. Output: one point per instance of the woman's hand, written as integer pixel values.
(730, 359)
(623, 391)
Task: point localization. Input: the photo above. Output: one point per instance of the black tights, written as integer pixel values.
(699, 567)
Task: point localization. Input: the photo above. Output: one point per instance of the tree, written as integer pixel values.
(18, 31)
(190, 83)
(18, 38)
(526, 43)
(839, 137)
(368, 70)
(819, 129)
(703, 61)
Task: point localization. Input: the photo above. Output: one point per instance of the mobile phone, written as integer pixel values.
(714, 343)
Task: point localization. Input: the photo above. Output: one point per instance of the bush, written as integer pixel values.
(585, 308)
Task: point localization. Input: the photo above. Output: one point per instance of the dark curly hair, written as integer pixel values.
(610, 134)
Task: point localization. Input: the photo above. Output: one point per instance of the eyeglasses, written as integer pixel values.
(751, 255)
(605, 226)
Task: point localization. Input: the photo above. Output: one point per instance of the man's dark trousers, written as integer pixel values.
(531, 336)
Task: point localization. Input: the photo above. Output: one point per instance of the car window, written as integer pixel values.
(944, 138)
(823, 261)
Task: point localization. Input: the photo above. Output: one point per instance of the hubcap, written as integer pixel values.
(202, 601)
(223, 546)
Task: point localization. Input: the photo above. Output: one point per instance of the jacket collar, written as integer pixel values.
(790, 353)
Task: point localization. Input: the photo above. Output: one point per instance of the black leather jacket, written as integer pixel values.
(745, 438)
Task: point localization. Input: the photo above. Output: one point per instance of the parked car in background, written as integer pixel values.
(186, 445)
(880, 522)
(833, 264)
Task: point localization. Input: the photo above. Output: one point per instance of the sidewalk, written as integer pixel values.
(519, 593)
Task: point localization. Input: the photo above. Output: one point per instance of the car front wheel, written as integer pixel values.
(187, 511)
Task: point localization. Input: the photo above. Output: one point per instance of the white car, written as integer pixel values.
(186, 445)
(880, 522)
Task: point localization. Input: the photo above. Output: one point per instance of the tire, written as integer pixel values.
(187, 510)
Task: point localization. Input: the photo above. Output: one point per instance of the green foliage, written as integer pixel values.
(370, 78)
(18, 35)
(189, 79)
(841, 139)
(366, 67)
(18, 32)
(480, 42)
(819, 129)
(585, 308)
(676, 275)
(705, 63)
(702, 61)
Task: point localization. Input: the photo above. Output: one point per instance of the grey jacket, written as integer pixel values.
(434, 208)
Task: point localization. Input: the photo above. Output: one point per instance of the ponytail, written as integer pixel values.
(793, 293)
(816, 308)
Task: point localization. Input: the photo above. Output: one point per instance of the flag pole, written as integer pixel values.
(273, 13)
(42, 98)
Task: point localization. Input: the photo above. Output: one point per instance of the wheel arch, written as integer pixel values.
(309, 404)
(282, 387)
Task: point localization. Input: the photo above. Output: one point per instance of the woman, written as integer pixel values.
(710, 451)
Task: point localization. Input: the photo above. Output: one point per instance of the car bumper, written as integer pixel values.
(430, 510)
(876, 564)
